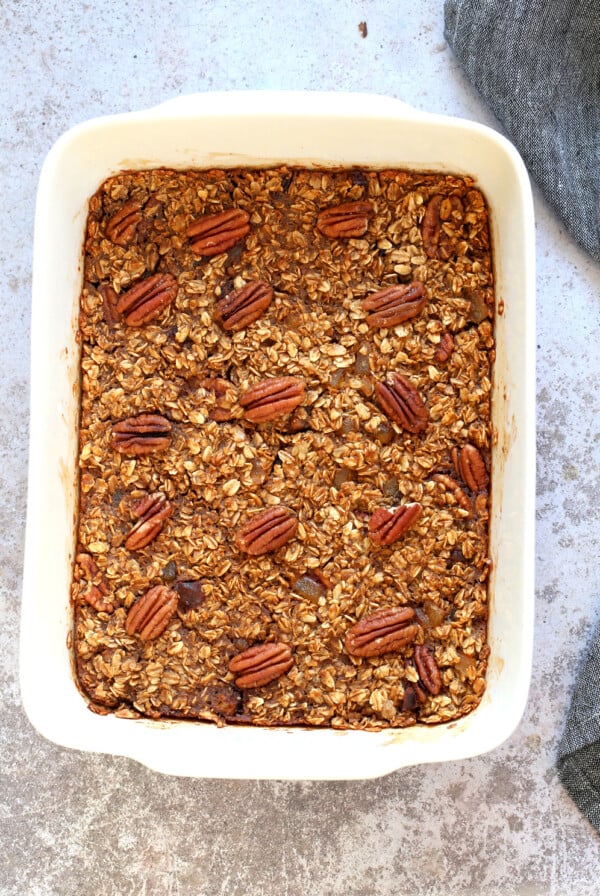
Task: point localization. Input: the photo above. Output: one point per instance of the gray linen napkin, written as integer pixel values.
(537, 64)
(579, 750)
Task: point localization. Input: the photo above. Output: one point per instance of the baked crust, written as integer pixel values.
(332, 461)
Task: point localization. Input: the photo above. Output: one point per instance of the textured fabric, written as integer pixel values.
(537, 65)
(579, 751)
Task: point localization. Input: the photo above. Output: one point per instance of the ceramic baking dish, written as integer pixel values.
(267, 129)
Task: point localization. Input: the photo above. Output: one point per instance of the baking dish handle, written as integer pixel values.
(303, 102)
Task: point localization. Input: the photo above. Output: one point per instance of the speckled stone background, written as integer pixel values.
(497, 825)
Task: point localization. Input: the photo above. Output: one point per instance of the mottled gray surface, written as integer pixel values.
(90, 825)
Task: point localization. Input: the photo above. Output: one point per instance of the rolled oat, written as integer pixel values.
(163, 413)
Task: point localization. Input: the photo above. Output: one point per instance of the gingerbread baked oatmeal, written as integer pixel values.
(285, 445)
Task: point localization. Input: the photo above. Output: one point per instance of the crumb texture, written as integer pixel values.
(285, 447)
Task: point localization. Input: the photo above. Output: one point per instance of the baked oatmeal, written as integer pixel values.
(285, 447)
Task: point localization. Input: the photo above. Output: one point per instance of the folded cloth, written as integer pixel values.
(579, 750)
(537, 65)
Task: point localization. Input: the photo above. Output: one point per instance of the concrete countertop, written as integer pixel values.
(496, 825)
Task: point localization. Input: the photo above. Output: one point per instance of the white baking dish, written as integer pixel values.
(259, 129)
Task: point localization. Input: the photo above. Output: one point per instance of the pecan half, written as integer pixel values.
(152, 612)
(386, 526)
(440, 242)
(460, 496)
(147, 299)
(384, 631)
(122, 227)
(215, 233)
(470, 466)
(428, 669)
(261, 664)
(272, 398)
(152, 512)
(402, 403)
(444, 349)
(267, 531)
(109, 305)
(243, 306)
(141, 435)
(350, 219)
(396, 304)
(431, 226)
